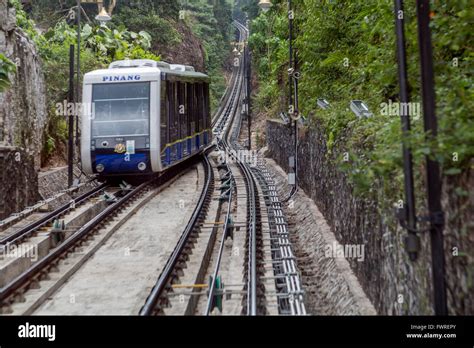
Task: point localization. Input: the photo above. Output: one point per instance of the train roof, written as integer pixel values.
(142, 70)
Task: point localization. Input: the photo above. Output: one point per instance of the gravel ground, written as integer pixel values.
(331, 288)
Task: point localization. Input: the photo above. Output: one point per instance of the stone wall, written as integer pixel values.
(329, 284)
(53, 181)
(19, 181)
(23, 113)
(394, 284)
(23, 118)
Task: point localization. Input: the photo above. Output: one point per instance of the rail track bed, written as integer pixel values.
(104, 266)
(207, 238)
(233, 258)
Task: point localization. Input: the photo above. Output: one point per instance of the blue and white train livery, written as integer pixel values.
(141, 116)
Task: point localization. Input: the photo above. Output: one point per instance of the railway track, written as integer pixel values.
(265, 221)
(13, 293)
(27, 231)
(178, 258)
(11, 224)
(32, 282)
(236, 203)
(240, 214)
(159, 299)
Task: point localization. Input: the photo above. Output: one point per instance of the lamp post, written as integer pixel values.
(293, 75)
(70, 145)
(436, 215)
(265, 5)
(102, 17)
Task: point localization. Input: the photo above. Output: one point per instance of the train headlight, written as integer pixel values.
(100, 168)
(142, 166)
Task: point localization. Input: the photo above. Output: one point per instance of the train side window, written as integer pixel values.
(202, 107)
(176, 116)
(164, 115)
(172, 112)
(191, 109)
(198, 108)
(207, 112)
(182, 110)
(169, 94)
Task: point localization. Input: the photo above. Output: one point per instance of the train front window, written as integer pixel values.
(121, 109)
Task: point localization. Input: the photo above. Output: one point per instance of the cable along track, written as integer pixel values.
(260, 186)
(254, 304)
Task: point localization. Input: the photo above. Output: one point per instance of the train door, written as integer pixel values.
(164, 130)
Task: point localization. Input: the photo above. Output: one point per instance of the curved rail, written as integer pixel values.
(252, 223)
(228, 142)
(221, 128)
(166, 274)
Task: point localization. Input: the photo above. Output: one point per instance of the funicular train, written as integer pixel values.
(141, 117)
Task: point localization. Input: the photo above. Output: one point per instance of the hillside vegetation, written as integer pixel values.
(346, 51)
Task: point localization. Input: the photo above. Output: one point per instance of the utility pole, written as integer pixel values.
(249, 92)
(412, 241)
(293, 97)
(70, 161)
(78, 77)
(436, 215)
(290, 40)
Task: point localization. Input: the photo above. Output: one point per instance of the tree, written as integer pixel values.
(6, 67)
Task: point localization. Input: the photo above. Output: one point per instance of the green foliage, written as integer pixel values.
(346, 51)
(244, 9)
(162, 30)
(25, 23)
(162, 8)
(204, 18)
(210, 21)
(6, 67)
(107, 44)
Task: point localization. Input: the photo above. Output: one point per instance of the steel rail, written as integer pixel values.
(237, 76)
(34, 226)
(252, 226)
(224, 99)
(218, 123)
(222, 120)
(250, 187)
(288, 266)
(39, 266)
(229, 107)
(165, 276)
(219, 256)
(252, 260)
